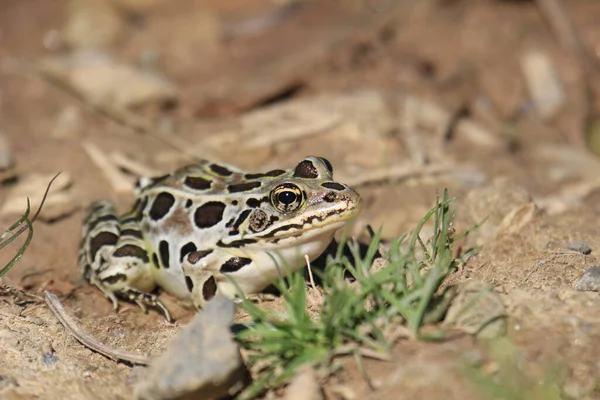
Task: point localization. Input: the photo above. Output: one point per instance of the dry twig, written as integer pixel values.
(131, 165)
(119, 182)
(82, 337)
(396, 173)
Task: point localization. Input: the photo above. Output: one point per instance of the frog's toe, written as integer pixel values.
(145, 300)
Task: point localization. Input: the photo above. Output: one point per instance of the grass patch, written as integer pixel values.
(357, 316)
(23, 224)
(13, 232)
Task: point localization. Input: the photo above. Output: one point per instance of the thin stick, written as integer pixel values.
(396, 173)
(119, 182)
(307, 122)
(310, 275)
(82, 337)
(133, 166)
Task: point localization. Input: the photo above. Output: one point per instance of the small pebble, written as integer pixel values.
(580, 247)
(49, 359)
(589, 281)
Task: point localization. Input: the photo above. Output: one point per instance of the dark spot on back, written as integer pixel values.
(234, 202)
(209, 289)
(112, 279)
(163, 250)
(220, 170)
(196, 256)
(100, 240)
(189, 283)
(197, 183)
(155, 260)
(161, 206)
(186, 249)
(188, 203)
(272, 174)
(241, 219)
(333, 186)
(255, 203)
(307, 170)
(132, 232)
(131, 250)
(243, 187)
(234, 264)
(209, 214)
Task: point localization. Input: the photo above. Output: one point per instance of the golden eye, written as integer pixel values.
(286, 197)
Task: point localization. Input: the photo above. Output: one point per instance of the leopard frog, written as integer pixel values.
(210, 228)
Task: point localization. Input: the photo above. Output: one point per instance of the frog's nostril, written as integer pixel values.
(333, 186)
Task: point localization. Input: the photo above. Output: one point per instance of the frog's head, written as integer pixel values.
(302, 206)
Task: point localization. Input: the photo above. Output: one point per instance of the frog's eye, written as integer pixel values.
(286, 197)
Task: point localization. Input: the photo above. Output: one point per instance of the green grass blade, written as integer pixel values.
(24, 218)
(21, 251)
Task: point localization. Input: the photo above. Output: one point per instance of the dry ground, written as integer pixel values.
(367, 63)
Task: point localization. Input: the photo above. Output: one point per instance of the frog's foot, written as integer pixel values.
(145, 300)
(113, 257)
(93, 279)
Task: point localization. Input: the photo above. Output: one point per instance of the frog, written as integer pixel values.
(211, 228)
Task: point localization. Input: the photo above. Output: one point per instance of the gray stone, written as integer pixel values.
(202, 362)
(589, 280)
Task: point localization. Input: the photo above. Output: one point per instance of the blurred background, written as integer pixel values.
(495, 100)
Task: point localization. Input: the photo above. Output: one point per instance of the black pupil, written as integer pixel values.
(287, 197)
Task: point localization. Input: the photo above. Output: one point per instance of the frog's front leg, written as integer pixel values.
(209, 272)
(113, 258)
